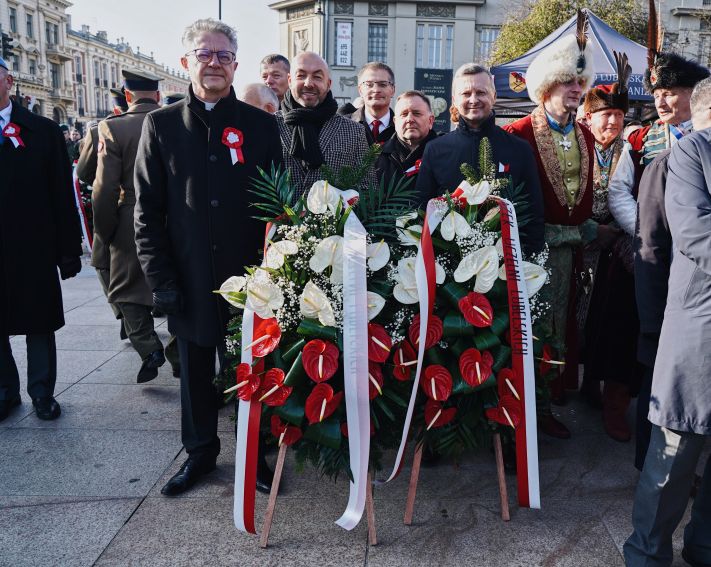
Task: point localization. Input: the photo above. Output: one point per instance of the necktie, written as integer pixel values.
(375, 126)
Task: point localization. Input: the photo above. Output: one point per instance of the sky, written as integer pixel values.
(157, 26)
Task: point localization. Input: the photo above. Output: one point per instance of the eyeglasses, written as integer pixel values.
(205, 56)
(381, 84)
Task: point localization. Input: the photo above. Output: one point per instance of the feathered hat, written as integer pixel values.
(667, 70)
(615, 95)
(570, 57)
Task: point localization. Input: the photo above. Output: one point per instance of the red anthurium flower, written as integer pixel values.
(434, 331)
(320, 359)
(247, 382)
(266, 338)
(436, 415)
(404, 359)
(437, 382)
(375, 380)
(286, 434)
(321, 403)
(476, 309)
(546, 358)
(379, 343)
(507, 383)
(475, 366)
(272, 391)
(509, 412)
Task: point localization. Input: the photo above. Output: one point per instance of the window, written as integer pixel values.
(80, 100)
(33, 66)
(378, 42)
(487, 39)
(16, 64)
(97, 104)
(30, 26)
(706, 3)
(13, 20)
(434, 45)
(55, 75)
(52, 33)
(97, 73)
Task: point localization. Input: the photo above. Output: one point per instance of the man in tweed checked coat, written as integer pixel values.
(312, 134)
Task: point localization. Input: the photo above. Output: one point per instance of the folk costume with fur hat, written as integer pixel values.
(612, 323)
(665, 71)
(565, 158)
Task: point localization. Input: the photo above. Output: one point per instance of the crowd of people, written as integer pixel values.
(624, 215)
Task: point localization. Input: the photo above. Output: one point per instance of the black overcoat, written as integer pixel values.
(391, 163)
(39, 225)
(193, 219)
(443, 157)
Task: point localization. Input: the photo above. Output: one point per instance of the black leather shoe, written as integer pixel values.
(47, 408)
(7, 405)
(691, 561)
(150, 366)
(193, 468)
(265, 476)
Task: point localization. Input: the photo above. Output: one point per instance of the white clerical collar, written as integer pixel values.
(208, 105)
(5, 115)
(384, 121)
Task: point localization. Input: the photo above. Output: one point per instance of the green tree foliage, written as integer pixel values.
(533, 20)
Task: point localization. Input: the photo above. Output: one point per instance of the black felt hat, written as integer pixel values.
(671, 70)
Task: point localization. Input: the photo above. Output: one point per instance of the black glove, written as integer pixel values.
(69, 266)
(170, 301)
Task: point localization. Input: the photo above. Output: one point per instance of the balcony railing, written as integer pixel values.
(58, 51)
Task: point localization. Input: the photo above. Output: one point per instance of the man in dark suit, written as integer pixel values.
(195, 228)
(34, 165)
(376, 86)
(402, 153)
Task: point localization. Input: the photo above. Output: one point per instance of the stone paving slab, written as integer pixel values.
(115, 406)
(60, 531)
(83, 462)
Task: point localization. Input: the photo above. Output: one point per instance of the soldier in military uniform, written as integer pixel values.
(564, 150)
(114, 200)
(86, 172)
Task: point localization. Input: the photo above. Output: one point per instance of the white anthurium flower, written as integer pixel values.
(378, 255)
(453, 225)
(232, 285)
(475, 194)
(405, 290)
(329, 252)
(276, 252)
(484, 264)
(440, 274)
(263, 296)
(533, 274)
(401, 222)
(375, 305)
(410, 235)
(314, 304)
(324, 197)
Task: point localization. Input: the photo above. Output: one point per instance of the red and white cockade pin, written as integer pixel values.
(12, 131)
(414, 170)
(233, 139)
(503, 167)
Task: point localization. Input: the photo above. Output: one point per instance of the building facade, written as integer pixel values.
(65, 74)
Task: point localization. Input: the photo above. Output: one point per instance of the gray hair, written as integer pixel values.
(262, 92)
(208, 25)
(274, 58)
(700, 96)
(474, 69)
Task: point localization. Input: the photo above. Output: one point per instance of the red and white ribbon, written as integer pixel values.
(529, 494)
(233, 139)
(249, 415)
(425, 278)
(355, 366)
(503, 167)
(12, 131)
(414, 170)
(88, 236)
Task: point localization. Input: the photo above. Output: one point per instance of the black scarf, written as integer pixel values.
(305, 124)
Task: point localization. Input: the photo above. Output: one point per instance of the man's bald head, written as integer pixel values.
(309, 79)
(260, 96)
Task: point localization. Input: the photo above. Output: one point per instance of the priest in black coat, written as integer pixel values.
(39, 232)
(194, 223)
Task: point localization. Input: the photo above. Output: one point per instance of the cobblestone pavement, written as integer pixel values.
(85, 489)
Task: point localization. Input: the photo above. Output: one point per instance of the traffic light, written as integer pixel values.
(7, 47)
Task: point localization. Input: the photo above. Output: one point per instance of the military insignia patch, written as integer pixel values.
(517, 82)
